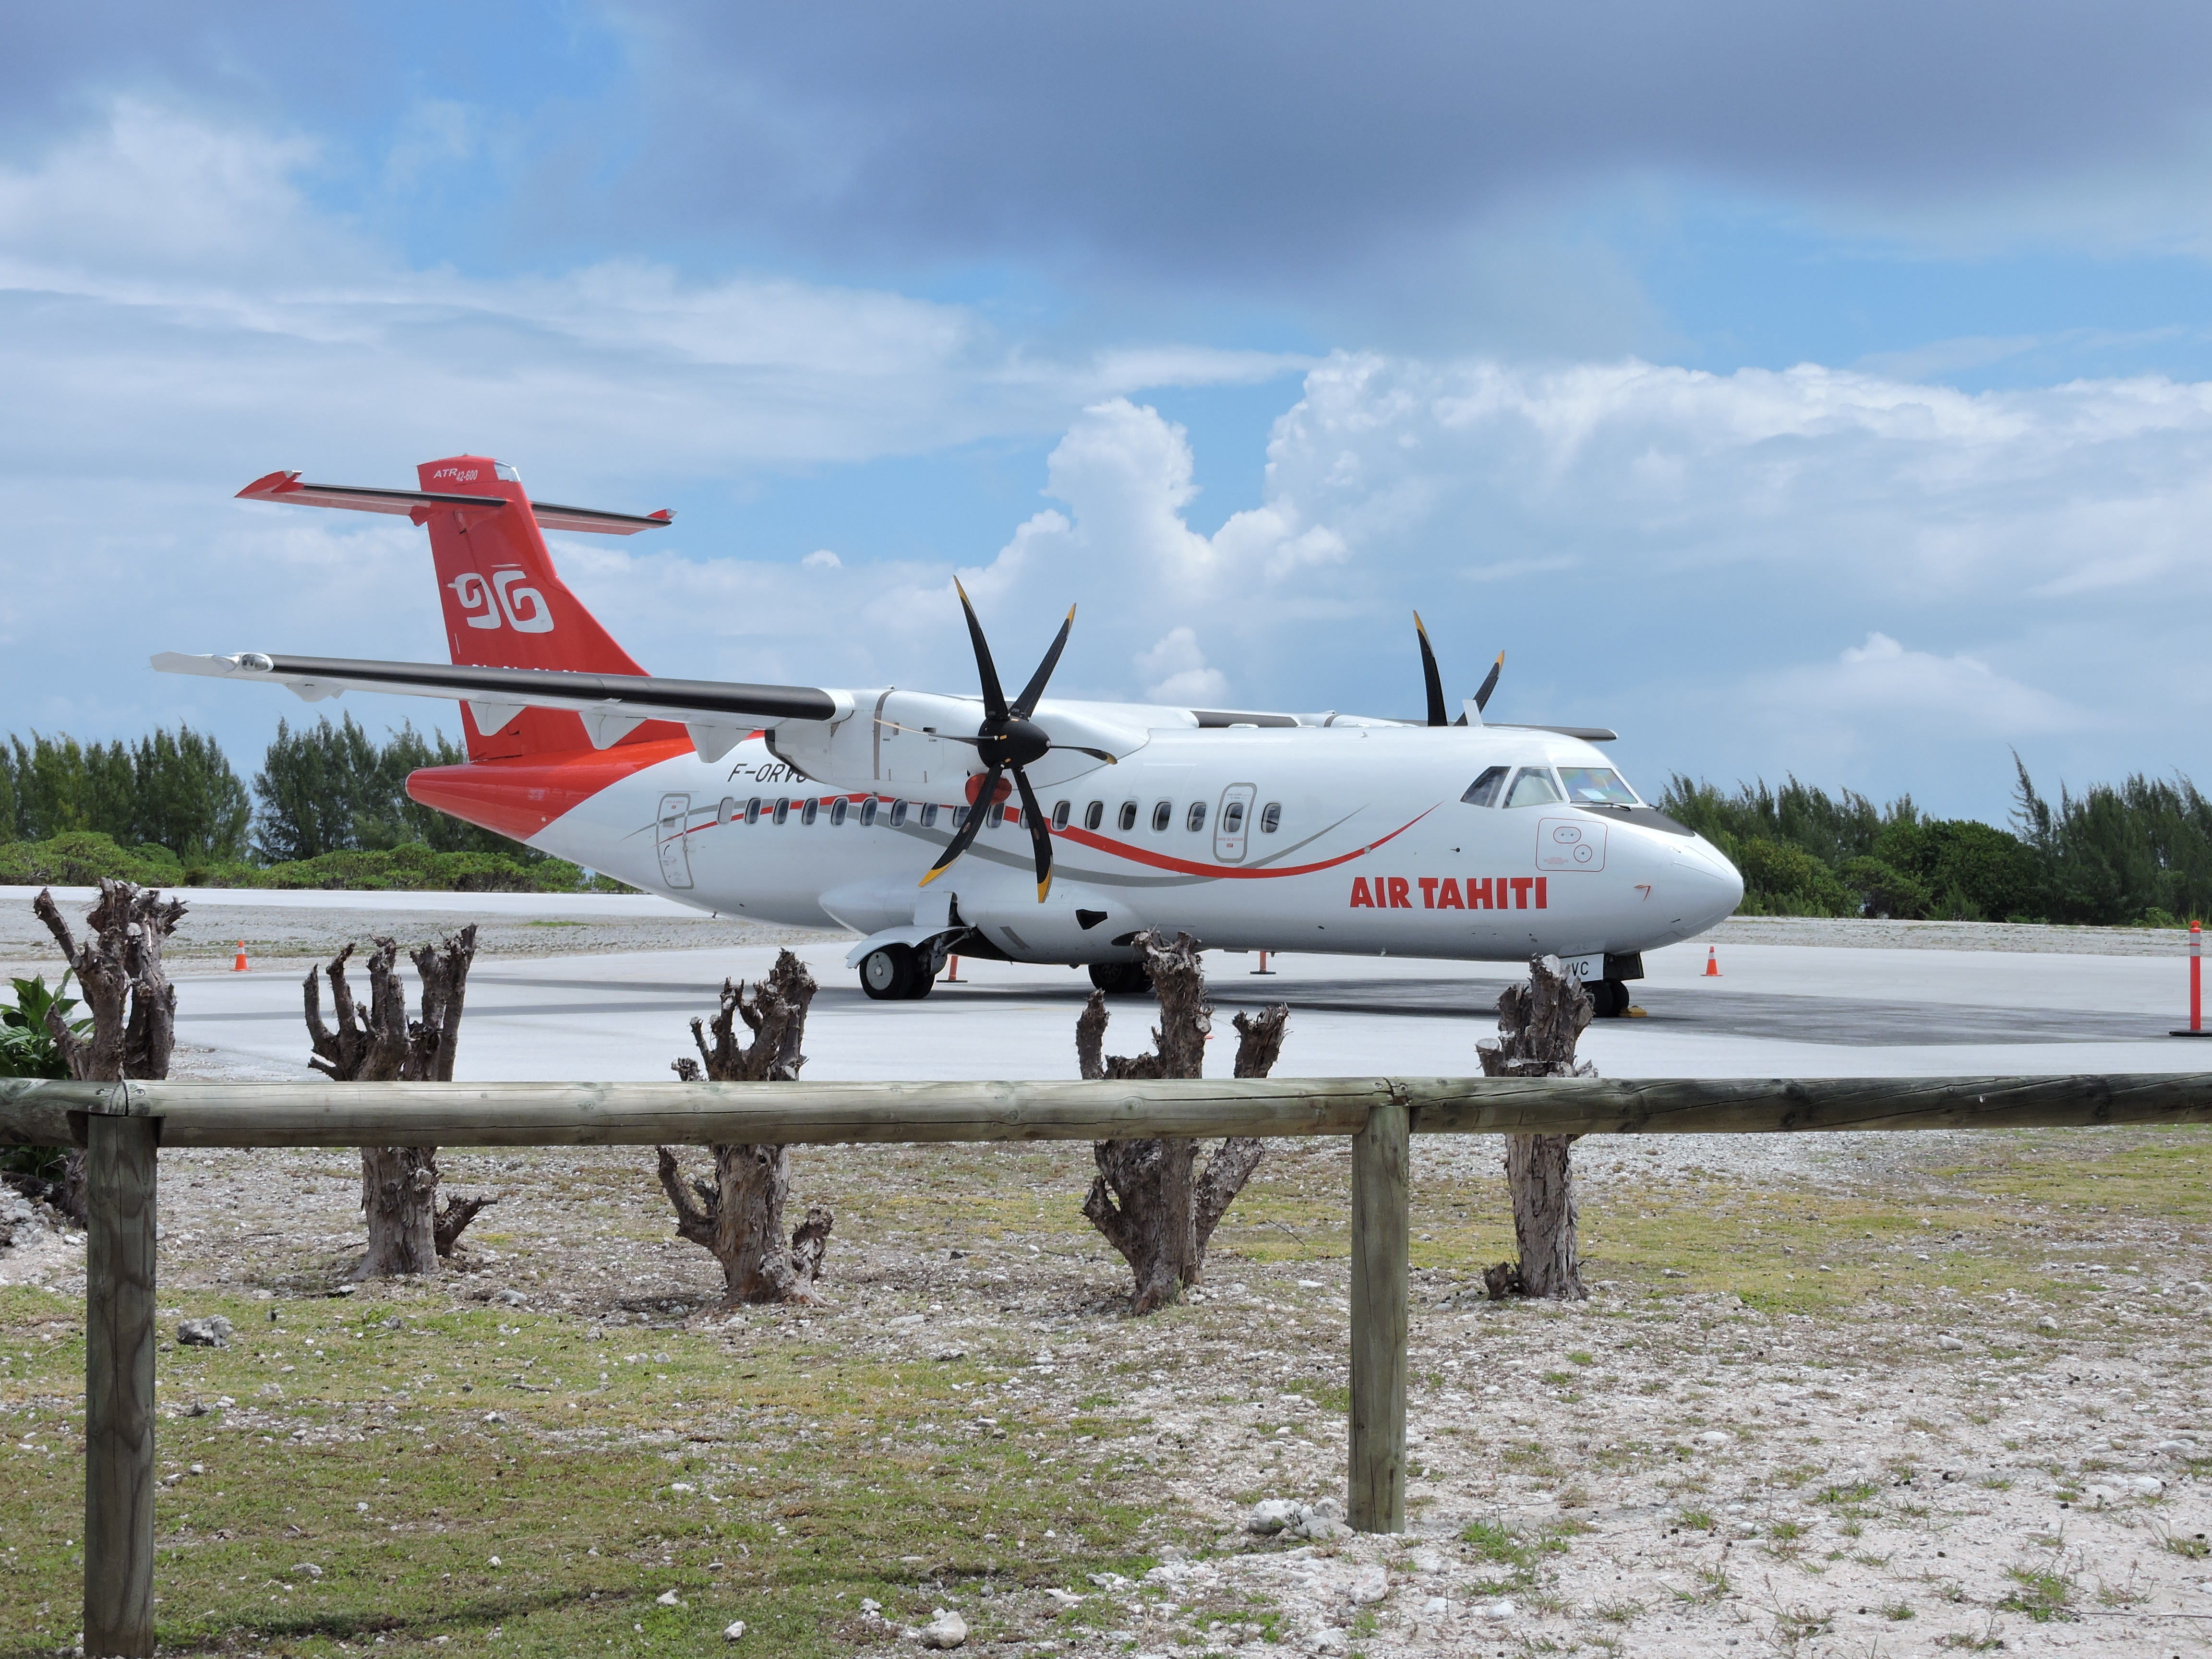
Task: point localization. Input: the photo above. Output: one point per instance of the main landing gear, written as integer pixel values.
(1609, 998)
(1122, 979)
(896, 973)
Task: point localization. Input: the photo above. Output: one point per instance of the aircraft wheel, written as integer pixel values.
(1610, 997)
(923, 981)
(1120, 978)
(888, 975)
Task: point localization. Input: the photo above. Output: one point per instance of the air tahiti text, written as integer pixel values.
(1449, 893)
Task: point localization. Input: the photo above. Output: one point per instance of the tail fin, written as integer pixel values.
(506, 607)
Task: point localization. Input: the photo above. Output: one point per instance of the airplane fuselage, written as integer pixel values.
(1349, 839)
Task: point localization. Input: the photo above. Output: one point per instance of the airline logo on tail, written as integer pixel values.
(504, 599)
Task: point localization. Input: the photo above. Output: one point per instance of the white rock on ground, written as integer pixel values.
(733, 1630)
(946, 1630)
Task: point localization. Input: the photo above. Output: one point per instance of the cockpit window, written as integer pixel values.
(1596, 785)
(1532, 787)
(1483, 791)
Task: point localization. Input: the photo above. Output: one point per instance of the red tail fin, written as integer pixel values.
(507, 608)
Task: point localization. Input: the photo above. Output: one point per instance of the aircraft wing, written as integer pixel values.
(719, 713)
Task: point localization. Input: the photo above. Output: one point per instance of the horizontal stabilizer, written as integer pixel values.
(287, 487)
(612, 704)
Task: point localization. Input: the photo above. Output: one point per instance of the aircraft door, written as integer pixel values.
(675, 852)
(1232, 822)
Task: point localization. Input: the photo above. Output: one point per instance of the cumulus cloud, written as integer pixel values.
(1884, 679)
(1174, 671)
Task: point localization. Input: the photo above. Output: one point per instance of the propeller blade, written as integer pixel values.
(966, 837)
(994, 698)
(1025, 705)
(1429, 678)
(1040, 833)
(1489, 683)
(1095, 754)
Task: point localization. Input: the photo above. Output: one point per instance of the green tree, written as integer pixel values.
(328, 788)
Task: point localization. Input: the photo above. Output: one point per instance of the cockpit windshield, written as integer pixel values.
(1596, 785)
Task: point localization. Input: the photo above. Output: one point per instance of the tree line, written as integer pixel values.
(322, 789)
(2135, 853)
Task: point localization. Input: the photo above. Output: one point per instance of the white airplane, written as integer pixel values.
(1028, 829)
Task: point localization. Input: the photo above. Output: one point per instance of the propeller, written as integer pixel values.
(1434, 683)
(1010, 741)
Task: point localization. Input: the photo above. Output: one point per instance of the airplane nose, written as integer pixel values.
(1706, 886)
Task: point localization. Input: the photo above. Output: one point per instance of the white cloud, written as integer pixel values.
(1175, 671)
(1884, 682)
(823, 559)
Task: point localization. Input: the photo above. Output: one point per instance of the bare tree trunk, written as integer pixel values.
(127, 991)
(408, 1232)
(738, 1216)
(1538, 1026)
(1148, 1199)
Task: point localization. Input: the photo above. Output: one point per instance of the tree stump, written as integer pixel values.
(408, 1231)
(1538, 1026)
(1148, 1199)
(127, 992)
(738, 1216)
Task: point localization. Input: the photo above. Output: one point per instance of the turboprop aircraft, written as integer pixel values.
(1025, 828)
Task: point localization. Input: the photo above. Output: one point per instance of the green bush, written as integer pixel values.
(1881, 891)
(82, 857)
(1782, 880)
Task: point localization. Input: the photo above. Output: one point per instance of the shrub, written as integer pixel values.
(81, 857)
(1782, 880)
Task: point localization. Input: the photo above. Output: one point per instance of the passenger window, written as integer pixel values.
(782, 808)
(752, 810)
(1483, 791)
(898, 815)
(1059, 811)
(1596, 785)
(1195, 818)
(807, 813)
(838, 808)
(1232, 818)
(1271, 818)
(868, 812)
(929, 814)
(997, 813)
(960, 816)
(1162, 814)
(1094, 815)
(1128, 818)
(728, 812)
(1533, 788)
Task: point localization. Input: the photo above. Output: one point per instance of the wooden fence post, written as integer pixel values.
(1379, 1226)
(119, 1387)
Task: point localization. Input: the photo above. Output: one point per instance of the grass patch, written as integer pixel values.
(467, 1473)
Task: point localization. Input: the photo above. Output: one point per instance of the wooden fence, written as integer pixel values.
(122, 1125)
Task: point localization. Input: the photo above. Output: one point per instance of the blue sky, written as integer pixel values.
(1824, 390)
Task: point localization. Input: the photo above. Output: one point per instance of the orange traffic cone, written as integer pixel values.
(239, 966)
(953, 978)
(1712, 963)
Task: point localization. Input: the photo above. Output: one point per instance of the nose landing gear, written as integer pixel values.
(1609, 998)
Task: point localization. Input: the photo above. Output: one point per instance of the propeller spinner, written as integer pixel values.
(1010, 741)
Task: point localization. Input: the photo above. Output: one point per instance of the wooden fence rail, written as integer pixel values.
(123, 1125)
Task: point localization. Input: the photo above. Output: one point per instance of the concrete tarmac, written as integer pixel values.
(1777, 1011)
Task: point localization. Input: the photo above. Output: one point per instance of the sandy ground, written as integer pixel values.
(1713, 1476)
(278, 929)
